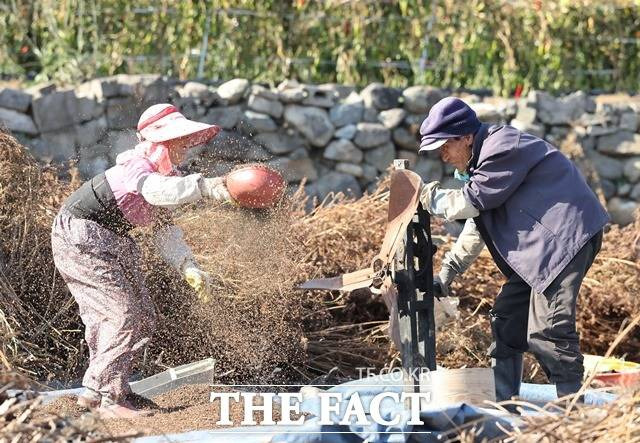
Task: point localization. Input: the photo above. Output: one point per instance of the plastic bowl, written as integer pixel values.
(255, 186)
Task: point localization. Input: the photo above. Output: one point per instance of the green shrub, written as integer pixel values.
(497, 44)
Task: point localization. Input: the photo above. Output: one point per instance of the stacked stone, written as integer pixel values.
(336, 138)
(89, 124)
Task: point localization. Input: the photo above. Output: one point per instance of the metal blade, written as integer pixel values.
(346, 282)
(404, 194)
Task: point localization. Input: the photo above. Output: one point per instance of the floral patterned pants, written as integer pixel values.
(102, 271)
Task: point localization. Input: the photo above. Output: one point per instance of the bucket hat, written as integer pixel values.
(163, 122)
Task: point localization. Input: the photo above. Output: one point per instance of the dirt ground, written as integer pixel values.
(185, 409)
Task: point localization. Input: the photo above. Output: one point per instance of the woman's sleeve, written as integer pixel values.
(170, 244)
(160, 190)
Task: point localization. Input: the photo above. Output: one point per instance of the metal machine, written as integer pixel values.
(402, 273)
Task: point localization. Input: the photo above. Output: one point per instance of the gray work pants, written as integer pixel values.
(544, 324)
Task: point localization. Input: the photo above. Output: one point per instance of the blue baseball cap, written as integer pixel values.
(449, 118)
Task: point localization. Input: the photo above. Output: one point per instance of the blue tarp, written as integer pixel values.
(437, 421)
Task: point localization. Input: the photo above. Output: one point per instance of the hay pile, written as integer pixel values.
(39, 334)
(617, 421)
(348, 331)
(559, 422)
(609, 296)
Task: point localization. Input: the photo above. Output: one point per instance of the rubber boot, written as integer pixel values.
(569, 387)
(507, 373)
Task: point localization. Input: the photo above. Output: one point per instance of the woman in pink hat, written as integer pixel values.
(100, 262)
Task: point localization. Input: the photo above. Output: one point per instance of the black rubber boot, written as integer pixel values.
(569, 387)
(507, 373)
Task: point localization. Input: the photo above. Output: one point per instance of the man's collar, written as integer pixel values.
(478, 140)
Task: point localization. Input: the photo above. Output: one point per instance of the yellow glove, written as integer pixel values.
(199, 281)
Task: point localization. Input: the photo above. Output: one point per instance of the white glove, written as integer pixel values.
(198, 280)
(446, 308)
(215, 189)
(444, 278)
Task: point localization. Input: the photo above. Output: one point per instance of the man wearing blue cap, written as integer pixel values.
(542, 224)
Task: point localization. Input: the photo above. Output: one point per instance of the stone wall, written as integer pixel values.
(339, 138)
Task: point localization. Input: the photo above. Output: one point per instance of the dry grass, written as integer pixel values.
(616, 421)
(38, 334)
(556, 422)
(609, 294)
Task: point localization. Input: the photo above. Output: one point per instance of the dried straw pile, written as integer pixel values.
(557, 422)
(348, 330)
(610, 293)
(34, 301)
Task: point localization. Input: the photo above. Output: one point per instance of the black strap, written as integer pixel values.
(94, 201)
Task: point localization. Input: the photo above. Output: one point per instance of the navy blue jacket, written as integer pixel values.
(536, 209)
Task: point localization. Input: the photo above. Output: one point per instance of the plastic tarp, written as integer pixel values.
(437, 426)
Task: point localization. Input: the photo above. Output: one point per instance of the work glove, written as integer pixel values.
(450, 204)
(444, 279)
(446, 308)
(426, 193)
(215, 189)
(199, 281)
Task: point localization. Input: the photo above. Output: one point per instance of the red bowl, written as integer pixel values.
(255, 186)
